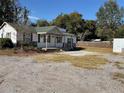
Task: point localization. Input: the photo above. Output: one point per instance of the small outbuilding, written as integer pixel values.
(118, 45)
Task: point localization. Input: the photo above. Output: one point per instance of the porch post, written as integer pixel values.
(71, 42)
(46, 42)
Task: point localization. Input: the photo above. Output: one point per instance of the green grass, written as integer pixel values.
(88, 62)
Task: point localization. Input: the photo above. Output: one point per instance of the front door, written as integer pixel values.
(69, 43)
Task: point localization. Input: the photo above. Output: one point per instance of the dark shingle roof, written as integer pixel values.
(23, 28)
(29, 29)
(45, 29)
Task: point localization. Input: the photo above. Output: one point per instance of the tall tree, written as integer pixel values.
(41, 23)
(72, 22)
(61, 20)
(24, 16)
(11, 11)
(109, 17)
(75, 24)
(120, 32)
(89, 30)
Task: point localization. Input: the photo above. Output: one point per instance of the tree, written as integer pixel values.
(33, 24)
(89, 30)
(24, 16)
(75, 24)
(72, 22)
(11, 11)
(61, 20)
(109, 17)
(120, 32)
(41, 23)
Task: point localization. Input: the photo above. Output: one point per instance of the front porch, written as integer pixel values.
(50, 41)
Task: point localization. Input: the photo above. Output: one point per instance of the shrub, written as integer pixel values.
(6, 43)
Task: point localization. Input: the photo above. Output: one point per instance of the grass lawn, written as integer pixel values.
(96, 49)
(88, 62)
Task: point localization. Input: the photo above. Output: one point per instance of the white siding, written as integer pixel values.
(118, 45)
(9, 29)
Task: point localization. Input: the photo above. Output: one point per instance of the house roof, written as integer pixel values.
(23, 28)
(19, 28)
(49, 29)
(29, 29)
(45, 29)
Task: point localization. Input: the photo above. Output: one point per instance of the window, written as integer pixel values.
(31, 37)
(59, 39)
(44, 38)
(24, 37)
(38, 37)
(48, 38)
(8, 35)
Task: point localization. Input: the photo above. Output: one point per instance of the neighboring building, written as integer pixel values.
(45, 37)
(118, 45)
(16, 33)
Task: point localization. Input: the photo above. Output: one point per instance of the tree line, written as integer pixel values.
(108, 25)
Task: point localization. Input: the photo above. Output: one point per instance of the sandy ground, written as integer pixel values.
(24, 75)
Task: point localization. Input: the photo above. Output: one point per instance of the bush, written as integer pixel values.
(6, 43)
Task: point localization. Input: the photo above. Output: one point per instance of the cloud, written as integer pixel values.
(33, 17)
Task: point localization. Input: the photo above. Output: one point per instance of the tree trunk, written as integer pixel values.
(83, 36)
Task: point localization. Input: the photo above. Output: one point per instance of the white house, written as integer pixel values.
(118, 45)
(7, 31)
(17, 33)
(45, 37)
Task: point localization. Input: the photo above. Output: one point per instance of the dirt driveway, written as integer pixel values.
(24, 75)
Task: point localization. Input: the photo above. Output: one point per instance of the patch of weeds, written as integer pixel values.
(119, 76)
(119, 65)
(88, 62)
(97, 49)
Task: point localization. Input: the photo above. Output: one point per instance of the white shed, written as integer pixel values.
(7, 31)
(118, 45)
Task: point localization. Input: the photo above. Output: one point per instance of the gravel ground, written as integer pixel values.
(24, 75)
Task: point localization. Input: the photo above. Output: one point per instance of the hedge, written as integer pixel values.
(6, 43)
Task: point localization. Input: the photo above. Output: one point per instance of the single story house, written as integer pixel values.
(118, 45)
(45, 37)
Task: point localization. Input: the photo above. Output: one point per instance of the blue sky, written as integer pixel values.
(49, 9)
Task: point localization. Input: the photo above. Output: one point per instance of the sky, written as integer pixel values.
(49, 9)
